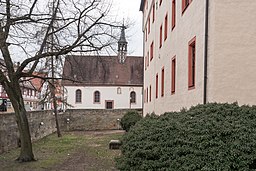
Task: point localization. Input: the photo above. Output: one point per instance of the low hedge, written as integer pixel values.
(129, 120)
(205, 137)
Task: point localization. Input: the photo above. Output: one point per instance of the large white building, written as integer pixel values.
(104, 82)
(198, 51)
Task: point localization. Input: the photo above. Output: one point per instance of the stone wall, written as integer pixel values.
(9, 136)
(96, 119)
(42, 123)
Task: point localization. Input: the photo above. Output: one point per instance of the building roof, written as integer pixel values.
(102, 71)
(37, 82)
(142, 2)
(122, 38)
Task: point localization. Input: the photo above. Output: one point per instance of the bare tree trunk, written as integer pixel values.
(55, 110)
(54, 99)
(56, 114)
(26, 153)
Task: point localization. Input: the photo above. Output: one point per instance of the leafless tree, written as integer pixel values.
(26, 28)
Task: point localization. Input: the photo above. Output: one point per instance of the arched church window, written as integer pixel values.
(133, 97)
(78, 96)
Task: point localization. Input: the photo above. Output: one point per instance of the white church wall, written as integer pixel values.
(109, 93)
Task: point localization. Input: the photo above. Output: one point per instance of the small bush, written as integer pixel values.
(205, 137)
(130, 119)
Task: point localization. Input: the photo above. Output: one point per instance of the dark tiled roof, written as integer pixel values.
(102, 71)
(142, 2)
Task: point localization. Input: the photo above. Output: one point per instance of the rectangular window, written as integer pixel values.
(165, 26)
(148, 59)
(173, 75)
(160, 36)
(153, 12)
(146, 34)
(147, 94)
(146, 62)
(150, 92)
(173, 13)
(109, 104)
(148, 25)
(156, 86)
(152, 51)
(162, 83)
(191, 63)
(185, 4)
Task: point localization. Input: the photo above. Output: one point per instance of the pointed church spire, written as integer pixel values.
(122, 46)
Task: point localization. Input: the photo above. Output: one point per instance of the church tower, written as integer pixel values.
(122, 46)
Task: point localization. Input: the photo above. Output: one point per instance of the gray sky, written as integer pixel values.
(129, 10)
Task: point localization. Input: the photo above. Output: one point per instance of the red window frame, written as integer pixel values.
(150, 92)
(173, 13)
(153, 12)
(146, 62)
(165, 26)
(146, 35)
(192, 63)
(162, 83)
(152, 51)
(173, 73)
(147, 94)
(185, 4)
(160, 36)
(149, 25)
(148, 59)
(156, 86)
(144, 95)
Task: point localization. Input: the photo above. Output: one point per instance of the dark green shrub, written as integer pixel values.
(130, 119)
(205, 137)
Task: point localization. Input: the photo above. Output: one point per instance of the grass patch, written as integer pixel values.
(52, 151)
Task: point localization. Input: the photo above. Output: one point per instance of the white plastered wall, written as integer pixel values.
(188, 25)
(232, 49)
(120, 101)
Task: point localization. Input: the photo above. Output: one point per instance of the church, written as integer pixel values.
(104, 82)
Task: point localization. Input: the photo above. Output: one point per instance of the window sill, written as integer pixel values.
(184, 9)
(191, 88)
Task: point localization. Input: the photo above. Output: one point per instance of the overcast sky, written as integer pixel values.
(129, 10)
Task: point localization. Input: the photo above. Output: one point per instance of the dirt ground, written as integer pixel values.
(81, 161)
